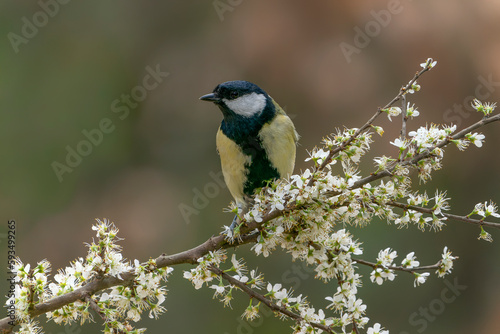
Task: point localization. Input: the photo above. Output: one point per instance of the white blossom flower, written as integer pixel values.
(491, 210)
(378, 129)
(242, 279)
(376, 276)
(272, 289)
(410, 261)
(411, 111)
(29, 327)
(228, 297)
(386, 257)
(382, 162)
(219, 289)
(441, 203)
(420, 278)
(134, 315)
(238, 265)
(485, 108)
(251, 312)
(399, 143)
(414, 88)
(476, 138)
(355, 307)
(377, 329)
(485, 235)
(486, 210)
(430, 63)
(318, 156)
(393, 111)
(256, 279)
(281, 294)
(446, 263)
(462, 144)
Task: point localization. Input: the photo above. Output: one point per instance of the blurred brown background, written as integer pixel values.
(66, 67)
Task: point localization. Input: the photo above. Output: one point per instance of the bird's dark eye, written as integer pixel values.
(234, 94)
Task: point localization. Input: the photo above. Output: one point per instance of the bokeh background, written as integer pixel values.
(77, 67)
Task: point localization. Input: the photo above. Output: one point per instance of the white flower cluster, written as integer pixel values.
(485, 210)
(275, 292)
(202, 273)
(147, 293)
(410, 216)
(385, 260)
(330, 254)
(446, 263)
(385, 269)
(31, 287)
(485, 108)
(119, 304)
(356, 148)
(430, 139)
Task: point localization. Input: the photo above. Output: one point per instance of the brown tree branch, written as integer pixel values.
(404, 116)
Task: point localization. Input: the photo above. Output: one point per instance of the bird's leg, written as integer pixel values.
(234, 223)
(242, 210)
(236, 220)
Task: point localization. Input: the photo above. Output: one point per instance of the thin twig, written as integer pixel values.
(354, 327)
(93, 306)
(465, 219)
(404, 116)
(397, 268)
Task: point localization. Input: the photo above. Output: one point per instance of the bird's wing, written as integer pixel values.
(279, 139)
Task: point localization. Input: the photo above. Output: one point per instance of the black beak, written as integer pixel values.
(210, 97)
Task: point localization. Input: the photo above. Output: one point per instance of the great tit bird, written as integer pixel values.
(256, 140)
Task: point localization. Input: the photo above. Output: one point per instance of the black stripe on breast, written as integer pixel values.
(260, 170)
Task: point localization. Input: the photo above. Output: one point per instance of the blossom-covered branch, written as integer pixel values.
(282, 297)
(466, 219)
(82, 286)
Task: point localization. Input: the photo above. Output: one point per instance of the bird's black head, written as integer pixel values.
(245, 106)
(238, 98)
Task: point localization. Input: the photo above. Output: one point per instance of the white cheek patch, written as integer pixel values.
(247, 105)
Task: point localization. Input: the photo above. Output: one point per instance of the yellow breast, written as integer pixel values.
(233, 163)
